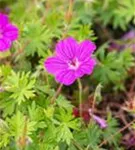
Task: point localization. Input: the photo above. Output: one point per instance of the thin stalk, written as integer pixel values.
(46, 78)
(56, 94)
(22, 141)
(111, 137)
(77, 145)
(69, 12)
(68, 18)
(80, 96)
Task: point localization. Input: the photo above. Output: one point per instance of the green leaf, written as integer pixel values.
(111, 130)
(4, 133)
(66, 117)
(93, 135)
(64, 134)
(21, 86)
(62, 102)
(17, 124)
(37, 38)
(107, 72)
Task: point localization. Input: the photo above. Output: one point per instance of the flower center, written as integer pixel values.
(74, 64)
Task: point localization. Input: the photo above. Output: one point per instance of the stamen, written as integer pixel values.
(74, 64)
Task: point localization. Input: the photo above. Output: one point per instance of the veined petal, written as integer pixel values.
(86, 67)
(66, 49)
(11, 32)
(85, 49)
(66, 77)
(3, 20)
(55, 64)
(5, 44)
(79, 73)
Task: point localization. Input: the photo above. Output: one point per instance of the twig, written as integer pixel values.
(56, 94)
(23, 138)
(111, 137)
(77, 145)
(21, 49)
(70, 11)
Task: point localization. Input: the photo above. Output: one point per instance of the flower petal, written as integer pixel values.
(3, 20)
(11, 32)
(66, 49)
(85, 49)
(100, 121)
(66, 77)
(86, 67)
(55, 64)
(5, 44)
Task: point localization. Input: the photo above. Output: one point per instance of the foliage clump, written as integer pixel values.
(36, 113)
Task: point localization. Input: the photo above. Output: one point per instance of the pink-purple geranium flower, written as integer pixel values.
(71, 61)
(8, 33)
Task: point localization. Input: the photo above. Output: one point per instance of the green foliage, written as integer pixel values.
(64, 134)
(62, 102)
(66, 117)
(54, 21)
(93, 135)
(15, 128)
(66, 122)
(81, 32)
(117, 12)
(112, 130)
(4, 72)
(17, 125)
(4, 134)
(20, 85)
(37, 37)
(28, 119)
(36, 115)
(113, 66)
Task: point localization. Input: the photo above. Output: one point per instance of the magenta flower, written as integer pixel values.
(72, 60)
(8, 33)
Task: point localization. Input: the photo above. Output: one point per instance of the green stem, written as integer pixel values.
(46, 78)
(80, 96)
(56, 94)
(70, 12)
(77, 145)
